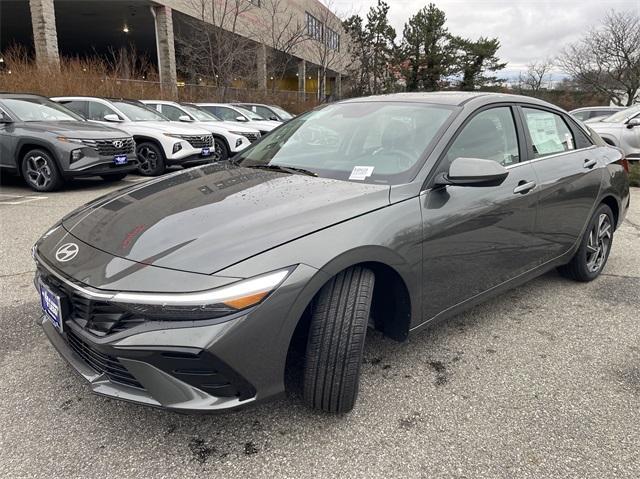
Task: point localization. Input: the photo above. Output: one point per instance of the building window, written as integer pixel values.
(333, 39)
(314, 27)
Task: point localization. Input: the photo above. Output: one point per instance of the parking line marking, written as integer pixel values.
(19, 199)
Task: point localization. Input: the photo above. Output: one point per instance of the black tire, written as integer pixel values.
(151, 161)
(114, 177)
(595, 246)
(40, 171)
(339, 318)
(220, 150)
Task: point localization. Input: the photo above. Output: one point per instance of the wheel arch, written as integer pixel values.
(221, 137)
(148, 139)
(612, 203)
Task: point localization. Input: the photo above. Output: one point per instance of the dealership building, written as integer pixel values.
(56, 28)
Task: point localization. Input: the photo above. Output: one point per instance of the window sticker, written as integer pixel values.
(361, 173)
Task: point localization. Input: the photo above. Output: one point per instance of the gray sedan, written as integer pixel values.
(197, 291)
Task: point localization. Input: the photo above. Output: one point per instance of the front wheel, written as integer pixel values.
(340, 313)
(592, 255)
(220, 151)
(150, 159)
(40, 171)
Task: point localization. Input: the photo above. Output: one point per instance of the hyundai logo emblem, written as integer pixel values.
(118, 143)
(67, 252)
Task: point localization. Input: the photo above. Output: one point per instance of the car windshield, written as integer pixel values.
(199, 114)
(39, 109)
(135, 112)
(374, 142)
(285, 115)
(248, 113)
(623, 115)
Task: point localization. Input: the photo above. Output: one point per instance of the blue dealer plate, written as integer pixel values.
(120, 159)
(51, 306)
(206, 152)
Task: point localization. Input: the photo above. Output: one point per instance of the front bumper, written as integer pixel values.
(198, 366)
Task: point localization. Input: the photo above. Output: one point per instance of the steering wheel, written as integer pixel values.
(404, 159)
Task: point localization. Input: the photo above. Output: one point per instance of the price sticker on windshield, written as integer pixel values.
(361, 173)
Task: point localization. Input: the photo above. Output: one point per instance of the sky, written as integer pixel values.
(528, 30)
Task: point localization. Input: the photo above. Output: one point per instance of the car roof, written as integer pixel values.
(453, 98)
(596, 108)
(21, 95)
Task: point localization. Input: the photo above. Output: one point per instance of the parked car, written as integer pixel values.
(235, 113)
(228, 138)
(425, 205)
(159, 142)
(622, 129)
(46, 143)
(270, 112)
(594, 112)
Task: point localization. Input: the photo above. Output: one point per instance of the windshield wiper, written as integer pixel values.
(284, 169)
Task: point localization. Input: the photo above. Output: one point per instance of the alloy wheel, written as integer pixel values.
(599, 243)
(148, 159)
(38, 171)
(217, 151)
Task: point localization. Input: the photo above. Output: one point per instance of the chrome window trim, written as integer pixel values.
(555, 155)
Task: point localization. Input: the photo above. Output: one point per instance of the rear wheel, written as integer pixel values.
(592, 255)
(340, 313)
(40, 171)
(150, 159)
(113, 177)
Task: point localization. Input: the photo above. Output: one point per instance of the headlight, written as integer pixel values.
(239, 133)
(205, 304)
(71, 140)
(173, 135)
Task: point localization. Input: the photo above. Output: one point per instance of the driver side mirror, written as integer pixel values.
(473, 172)
(633, 123)
(185, 118)
(112, 117)
(241, 118)
(274, 118)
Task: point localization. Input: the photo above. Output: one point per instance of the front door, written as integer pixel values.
(477, 237)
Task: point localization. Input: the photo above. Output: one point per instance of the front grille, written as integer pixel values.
(199, 141)
(98, 317)
(251, 136)
(112, 146)
(100, 362)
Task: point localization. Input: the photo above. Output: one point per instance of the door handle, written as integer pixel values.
(524, 187)
(590, 163)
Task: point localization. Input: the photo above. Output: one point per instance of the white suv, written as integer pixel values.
(228, 138)
(159, 142)
(241, 115)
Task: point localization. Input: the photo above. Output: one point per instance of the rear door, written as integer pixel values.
(475, 238)
(569, 171)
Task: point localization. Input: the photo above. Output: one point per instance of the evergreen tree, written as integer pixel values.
(475, 60)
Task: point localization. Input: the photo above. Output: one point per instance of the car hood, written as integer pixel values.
(74, 129)
(167, 127)
(205, 219)
(231, 126)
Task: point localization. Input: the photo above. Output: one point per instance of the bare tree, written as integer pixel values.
(282, 31)
(212, 47)
(537, 75)
(325, 35)
(607, 59)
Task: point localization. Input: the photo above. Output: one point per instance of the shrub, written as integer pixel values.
(634, 173)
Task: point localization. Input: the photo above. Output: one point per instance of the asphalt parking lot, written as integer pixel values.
(542, 382)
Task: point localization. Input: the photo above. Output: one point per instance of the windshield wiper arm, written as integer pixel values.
(284, 169)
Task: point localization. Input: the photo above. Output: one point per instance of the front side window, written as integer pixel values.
(200, 114)
(226, 114)
(97, 111)
(549, 133)
(490, 135)
(172, 112)
(264, 112)
(582, 115)
(372, 142)
(39, 109)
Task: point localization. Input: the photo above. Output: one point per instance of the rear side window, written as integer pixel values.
(490, 135)
(549, 133)
(582, 115)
